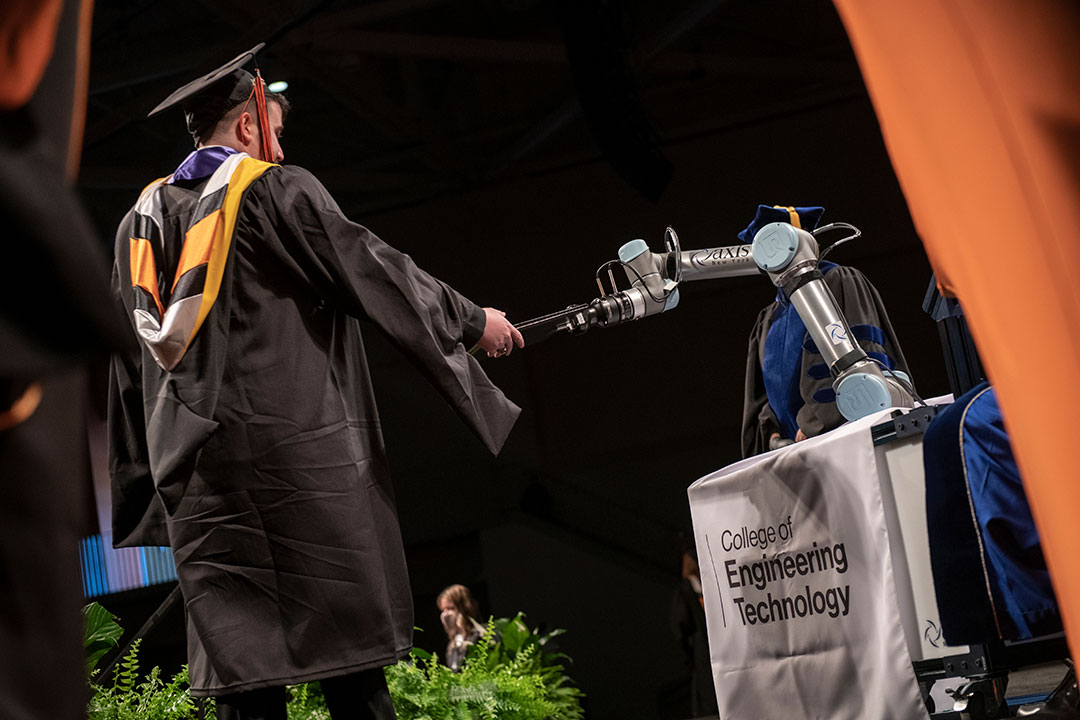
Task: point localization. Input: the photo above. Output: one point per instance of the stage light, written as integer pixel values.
(278, 86)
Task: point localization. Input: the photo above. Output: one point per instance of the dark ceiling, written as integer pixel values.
(400, 101)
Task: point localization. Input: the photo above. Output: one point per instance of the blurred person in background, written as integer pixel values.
(688, 624)
(459, 614)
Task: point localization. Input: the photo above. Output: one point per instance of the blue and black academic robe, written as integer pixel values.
(788, 384)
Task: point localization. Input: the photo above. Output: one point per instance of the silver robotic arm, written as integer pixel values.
(789, 256)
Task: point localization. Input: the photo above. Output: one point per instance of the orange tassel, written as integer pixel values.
(264, 118)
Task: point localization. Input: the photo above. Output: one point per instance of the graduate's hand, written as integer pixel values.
(800, 435)
(500, 335)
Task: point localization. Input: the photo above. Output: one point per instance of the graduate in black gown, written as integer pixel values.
(244, 432)
(789, 395)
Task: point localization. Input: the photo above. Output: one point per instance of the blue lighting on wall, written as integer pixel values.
(107, 570)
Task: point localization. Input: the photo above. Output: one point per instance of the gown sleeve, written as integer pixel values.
(759, 422)
(430, 322)
(138, 513)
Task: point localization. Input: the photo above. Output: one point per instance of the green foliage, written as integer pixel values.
(129, 699)
(306, 702)
(101, 633)
(506, 676)
(530, 653)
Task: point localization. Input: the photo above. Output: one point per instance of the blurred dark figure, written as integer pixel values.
(688, 623)
(56, 319)
(459, 614)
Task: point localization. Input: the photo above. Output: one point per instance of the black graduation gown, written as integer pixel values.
(260, 459)
(861, 304)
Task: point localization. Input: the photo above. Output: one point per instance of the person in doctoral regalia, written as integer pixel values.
(789, 395)
(244, 432)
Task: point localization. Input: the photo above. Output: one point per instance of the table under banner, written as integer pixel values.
(800, 591)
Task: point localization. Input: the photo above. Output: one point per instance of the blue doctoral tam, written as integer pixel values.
(806, 217)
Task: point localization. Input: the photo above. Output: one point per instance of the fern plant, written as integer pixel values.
(306, 702)
(510, 674)
(506, 676)
(530, 653)
(128, 698)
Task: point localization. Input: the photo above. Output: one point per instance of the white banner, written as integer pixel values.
(800, 599)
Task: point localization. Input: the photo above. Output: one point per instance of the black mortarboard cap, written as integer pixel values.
(206, 100)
